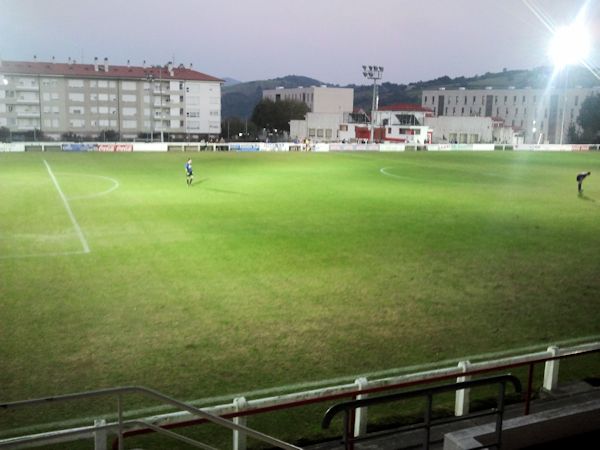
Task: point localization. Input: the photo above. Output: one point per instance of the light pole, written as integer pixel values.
(373, 73)
(162, 122)
(150, 79)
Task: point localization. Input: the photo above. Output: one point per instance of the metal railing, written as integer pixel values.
(121, 424)
(341, 392)
(349, 408)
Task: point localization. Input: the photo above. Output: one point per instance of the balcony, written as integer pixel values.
(35, 114)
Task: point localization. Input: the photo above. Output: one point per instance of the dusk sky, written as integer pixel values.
(324, 39)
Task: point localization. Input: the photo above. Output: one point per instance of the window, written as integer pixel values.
(311, 132)
(462, 110)
(473, 99)
(516, 111)
(129, 111)
(129, 98)
(576, 100)
(76, 97)
(523, 99)
(129, 124)
(77, 123)
(465, 99)
(76, 110)
(181, 99)
(181, 85)
(495, 99)
(505, 98)
(129, 85)
(103, 97)
(425, 101)
(328, 133)
(515, 99)
(320, 132)
(75, 83)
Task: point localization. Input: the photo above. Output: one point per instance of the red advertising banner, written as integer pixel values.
(115, 147)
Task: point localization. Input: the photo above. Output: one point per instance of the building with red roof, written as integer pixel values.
(89, 100)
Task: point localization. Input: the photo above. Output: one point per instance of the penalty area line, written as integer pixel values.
(84, 243)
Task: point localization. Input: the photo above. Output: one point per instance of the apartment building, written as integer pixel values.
(87, 100)
(536, 115)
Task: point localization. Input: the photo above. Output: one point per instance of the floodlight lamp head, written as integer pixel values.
(570, 45)
(364, 68)
(370, 68)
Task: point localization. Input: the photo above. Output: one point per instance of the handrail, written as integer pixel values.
(349, 407)
(119, 391)
(350, 390)
(369, 401)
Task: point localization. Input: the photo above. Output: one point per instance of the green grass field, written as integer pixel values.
(279, 269)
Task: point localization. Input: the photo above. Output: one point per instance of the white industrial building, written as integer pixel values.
(328, 108)
(319, 99)
(534, 115)
(86, 100)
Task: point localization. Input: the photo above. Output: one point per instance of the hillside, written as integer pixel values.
(239, 100)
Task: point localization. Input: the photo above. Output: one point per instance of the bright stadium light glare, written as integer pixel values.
(569, 45)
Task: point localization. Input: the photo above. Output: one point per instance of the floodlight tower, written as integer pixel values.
(373, 73)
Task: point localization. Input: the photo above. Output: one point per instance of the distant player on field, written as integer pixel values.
(189, 174)
(580, 177)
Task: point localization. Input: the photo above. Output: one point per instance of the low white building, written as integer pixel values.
(470, 130)
(318, 127)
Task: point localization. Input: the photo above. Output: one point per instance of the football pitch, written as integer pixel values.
(285, 268)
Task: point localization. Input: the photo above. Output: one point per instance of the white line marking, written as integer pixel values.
(86, 247)
(43, 255)
(383, 170)
(212, 401)
(97, 194)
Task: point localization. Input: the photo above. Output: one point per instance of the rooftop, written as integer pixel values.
(98, 71)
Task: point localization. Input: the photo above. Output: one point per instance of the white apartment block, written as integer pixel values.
(88, 99)
(319, 99)
(536, 115)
